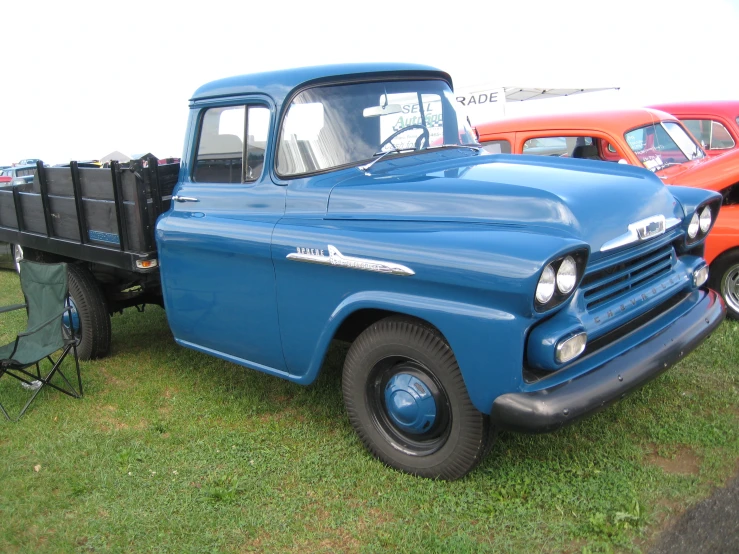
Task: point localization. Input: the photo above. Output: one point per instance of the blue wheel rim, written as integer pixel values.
(75, 317)
(408, 406)
(409, 403)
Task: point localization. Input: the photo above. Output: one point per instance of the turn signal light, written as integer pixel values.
(146, 264)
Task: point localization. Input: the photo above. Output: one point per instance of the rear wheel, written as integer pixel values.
(406, 398)
(724, 278)
(89, 317)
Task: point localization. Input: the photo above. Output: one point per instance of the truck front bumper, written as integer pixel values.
(548, 409)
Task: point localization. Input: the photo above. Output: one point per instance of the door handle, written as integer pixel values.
(185, 199)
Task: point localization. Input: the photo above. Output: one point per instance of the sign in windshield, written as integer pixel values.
(662, 144)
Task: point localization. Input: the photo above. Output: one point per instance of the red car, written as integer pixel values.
(715, 124)
(642, 137)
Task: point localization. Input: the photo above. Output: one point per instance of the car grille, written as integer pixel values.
(611, 282)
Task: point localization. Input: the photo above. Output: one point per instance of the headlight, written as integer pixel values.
(567, 275)
(705, 220)
(694, 226)
(545, 288)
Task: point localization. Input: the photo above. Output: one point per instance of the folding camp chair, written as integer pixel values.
(45, 289)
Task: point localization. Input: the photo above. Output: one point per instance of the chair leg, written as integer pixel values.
(46, 381)
(77, 363)
(2, 408)
(56, 368)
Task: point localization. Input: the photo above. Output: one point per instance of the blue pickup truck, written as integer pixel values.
(479, 292)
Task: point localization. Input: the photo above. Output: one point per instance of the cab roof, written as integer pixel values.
(279, 84)
(616, 121)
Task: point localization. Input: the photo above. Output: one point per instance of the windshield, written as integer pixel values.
(663, 144)
(333, 126)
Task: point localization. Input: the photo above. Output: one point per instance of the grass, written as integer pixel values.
(174, 451)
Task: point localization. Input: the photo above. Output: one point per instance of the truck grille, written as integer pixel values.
(610, 282)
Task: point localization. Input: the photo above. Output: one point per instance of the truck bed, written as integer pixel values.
(103, 216)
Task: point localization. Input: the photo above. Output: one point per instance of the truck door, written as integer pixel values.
(214, 244)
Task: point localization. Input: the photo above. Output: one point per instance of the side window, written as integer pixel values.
(712, 134)
(566, 147)
(221, 144)
(497, 147)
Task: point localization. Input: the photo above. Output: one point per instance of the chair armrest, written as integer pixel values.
(4, 309)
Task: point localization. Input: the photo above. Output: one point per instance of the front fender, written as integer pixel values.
(488, 343)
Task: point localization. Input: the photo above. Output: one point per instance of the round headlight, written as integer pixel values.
(694, 226)
(567, 275)
(545, 288)
(705, 219)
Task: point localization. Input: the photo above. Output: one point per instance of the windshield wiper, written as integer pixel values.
(381, 155)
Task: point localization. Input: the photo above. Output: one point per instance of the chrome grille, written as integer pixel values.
(612, 281)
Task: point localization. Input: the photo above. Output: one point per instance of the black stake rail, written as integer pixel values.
(79, 207)
(95, 215)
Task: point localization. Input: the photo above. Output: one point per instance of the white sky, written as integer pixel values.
(82, 79)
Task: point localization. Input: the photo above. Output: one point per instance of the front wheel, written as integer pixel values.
(407, 401)
(724, 278)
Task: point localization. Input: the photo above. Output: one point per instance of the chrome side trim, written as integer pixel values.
(337, 258)
(643, 229)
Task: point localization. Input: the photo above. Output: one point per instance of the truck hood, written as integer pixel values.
(592, 201)
(712, 173)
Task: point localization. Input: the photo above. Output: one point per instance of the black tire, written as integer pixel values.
(724, 279)
(93, 313)
(459, 435)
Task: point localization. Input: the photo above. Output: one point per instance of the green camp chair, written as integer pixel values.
(46, 292)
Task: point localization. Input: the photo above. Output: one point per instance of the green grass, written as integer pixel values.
(174, 451)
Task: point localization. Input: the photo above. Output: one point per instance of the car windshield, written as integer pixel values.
(663, 144)
(333, 126)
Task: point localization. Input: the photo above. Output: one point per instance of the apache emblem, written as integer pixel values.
(316, 256)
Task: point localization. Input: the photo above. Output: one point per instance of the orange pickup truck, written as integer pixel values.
(642, 137)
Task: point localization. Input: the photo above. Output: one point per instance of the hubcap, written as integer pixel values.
(74, 320)
(409, 403)
(408, 406)
(730, 287)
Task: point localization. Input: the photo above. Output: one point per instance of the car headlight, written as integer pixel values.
(694, 226)
(567, 275)
(705, 220)
(545, 287)
(559, 278)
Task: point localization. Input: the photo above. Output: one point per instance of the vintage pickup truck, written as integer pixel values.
(479, 292)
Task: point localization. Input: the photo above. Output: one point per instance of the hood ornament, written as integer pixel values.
(316, 256)
(644, 229)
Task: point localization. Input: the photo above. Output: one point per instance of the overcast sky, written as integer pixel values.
(82, 79)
